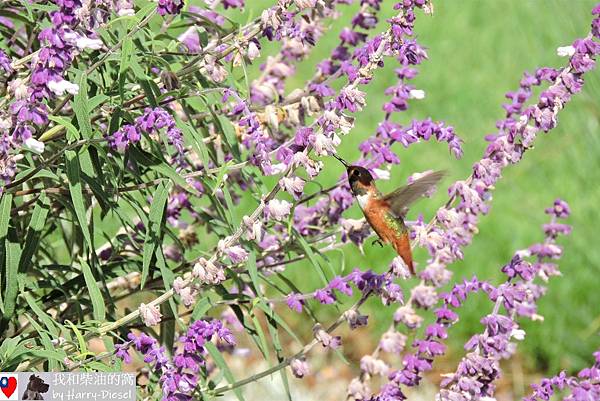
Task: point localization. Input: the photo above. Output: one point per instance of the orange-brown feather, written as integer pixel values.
(377, 213)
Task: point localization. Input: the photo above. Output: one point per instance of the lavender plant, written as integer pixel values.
(154, 195)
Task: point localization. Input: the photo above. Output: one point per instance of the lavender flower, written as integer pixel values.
(150, 314)
(278, 209)
(179, 376)
(295, 302)
(150, 123)
(326, 339)
(5, 63)
(207, 272)
(299, 368)
(172, 7)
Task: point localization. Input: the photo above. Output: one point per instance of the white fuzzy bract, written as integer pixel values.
(61, 87)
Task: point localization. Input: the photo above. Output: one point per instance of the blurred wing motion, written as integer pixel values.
(401, 198)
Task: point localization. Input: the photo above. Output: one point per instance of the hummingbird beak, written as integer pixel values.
(341, 160)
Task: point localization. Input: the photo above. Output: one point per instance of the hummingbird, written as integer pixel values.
(386, 213)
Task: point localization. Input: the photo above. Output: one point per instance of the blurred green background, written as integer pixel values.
(478, 51)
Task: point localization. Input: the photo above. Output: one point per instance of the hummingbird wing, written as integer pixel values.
(401, 198)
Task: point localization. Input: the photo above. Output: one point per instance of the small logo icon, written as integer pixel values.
(35, 388)
(8, 386)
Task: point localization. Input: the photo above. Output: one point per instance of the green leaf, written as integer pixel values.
(272, 326)
(253, 271)
(172, 174)
(13, 255)
(36, 224)
(72, 131)
(260, 338)
(167, 278)
(126, 51)
(216, 355)
(192, 136)
(221, 176)
(5, 205)
(16, 16)
(167, 326)
(228, 134)
(81, 108)
(80, 339)
(41, 315)
(94, 291)
(73, 173)
(153, 229)
(47, 343)
(202, 306)
(311, 256)
(271, 314)
(97, 100)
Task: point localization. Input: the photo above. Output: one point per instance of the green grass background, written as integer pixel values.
(478, 50)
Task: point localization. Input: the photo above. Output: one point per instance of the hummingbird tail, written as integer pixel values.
(402, 247)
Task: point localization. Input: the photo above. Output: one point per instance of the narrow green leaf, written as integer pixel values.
(41, 315)
(16, 16)
(72, 131)
(46, 342)
(311, 256)
(36, 225)
(272, 326)
(94, 291)
(230, 209)
(202, 306)
(73, 173)
(81, 108)
(221, 176)
(197, 142)
(153, 229)
(13, 255)
(253, 271)
(271, 314)
(228, 134)
(80, 339)
(167, 326)
(5, 205)
(284, 378)
(259, 337)
(216, 355)
(167, 277)
(126, 51)
(97, 100)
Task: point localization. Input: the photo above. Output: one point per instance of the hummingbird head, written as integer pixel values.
(359, 177)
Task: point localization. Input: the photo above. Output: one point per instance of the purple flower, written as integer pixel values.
(560, 209)
(5, 63)
(212, 16)
(338, 283)
(233, 4)
(299, 368)
(150, 123)
(172, 7)
(393, 342)
(411, 53)
(294, 302)
(324, 296)
(326, 339)
(123, 352)
(322, 90)
(150, 314)
(424, 296)
(355, 319)
(351, 37)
